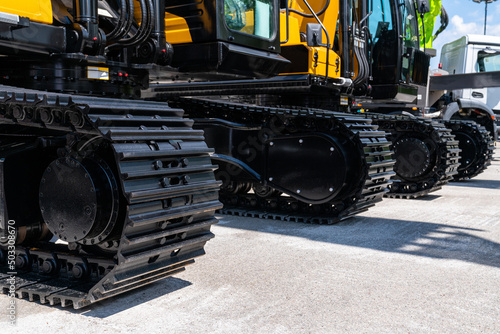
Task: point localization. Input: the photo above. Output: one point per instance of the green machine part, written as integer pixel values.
(428, 24)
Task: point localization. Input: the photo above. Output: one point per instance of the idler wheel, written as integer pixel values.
(413, 158)
(79, 200)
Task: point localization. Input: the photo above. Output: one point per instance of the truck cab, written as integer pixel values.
(474, 54)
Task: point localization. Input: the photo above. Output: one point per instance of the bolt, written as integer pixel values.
(88, 210)
(165, 182)
(185, 179)
(78, 271)
(163, 241)
(163, 225)
(75, 119)
(48, 267)
(18, 112)
(61, 227)
(107, 244)
(157, 164)
(184, 162)
(21, 261)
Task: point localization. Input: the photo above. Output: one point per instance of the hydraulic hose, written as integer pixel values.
(121, 22)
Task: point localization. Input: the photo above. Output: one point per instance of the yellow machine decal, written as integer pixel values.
(35, 10)
(98, 73)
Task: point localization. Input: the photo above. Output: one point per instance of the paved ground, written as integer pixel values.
(405, 266)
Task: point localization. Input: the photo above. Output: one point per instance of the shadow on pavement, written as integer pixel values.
(488, 184)
(130, 299)
(426, 198)
(389, 235)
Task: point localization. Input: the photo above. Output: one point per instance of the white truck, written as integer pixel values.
(473, 83)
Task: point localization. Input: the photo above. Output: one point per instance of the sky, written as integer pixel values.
(466, 17)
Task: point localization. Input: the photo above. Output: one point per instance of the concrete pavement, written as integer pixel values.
(430, 265)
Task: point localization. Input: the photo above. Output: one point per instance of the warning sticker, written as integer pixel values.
(99, 73)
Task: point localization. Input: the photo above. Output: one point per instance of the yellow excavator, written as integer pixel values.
(121, 119)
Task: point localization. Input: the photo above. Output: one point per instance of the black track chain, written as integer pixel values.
(447, 155)
(371, 143)
(166, 177)
(483, 143)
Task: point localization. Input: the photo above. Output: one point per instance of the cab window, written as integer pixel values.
(253, 17)
(488, 61)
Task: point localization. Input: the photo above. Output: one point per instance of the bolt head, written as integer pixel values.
(78, 271)
(21, 261)
(165, 182)
(48, 267)
(157, 165)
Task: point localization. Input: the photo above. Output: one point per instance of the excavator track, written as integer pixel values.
(260, 199)
(426, 152)
(139, 208)
(476, 146)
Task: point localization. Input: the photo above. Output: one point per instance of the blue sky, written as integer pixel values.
(466, 17)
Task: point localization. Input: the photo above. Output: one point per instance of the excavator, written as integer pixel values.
(121, 119)
(341, 55)
(472, 123)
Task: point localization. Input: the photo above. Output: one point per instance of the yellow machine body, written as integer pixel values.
(35, 10)
(197, 19)
(176, 29)
(316, 56)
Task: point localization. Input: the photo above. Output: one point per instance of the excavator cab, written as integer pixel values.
(232, 37)
(398, 66)
(113, 46)
(373, 46)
